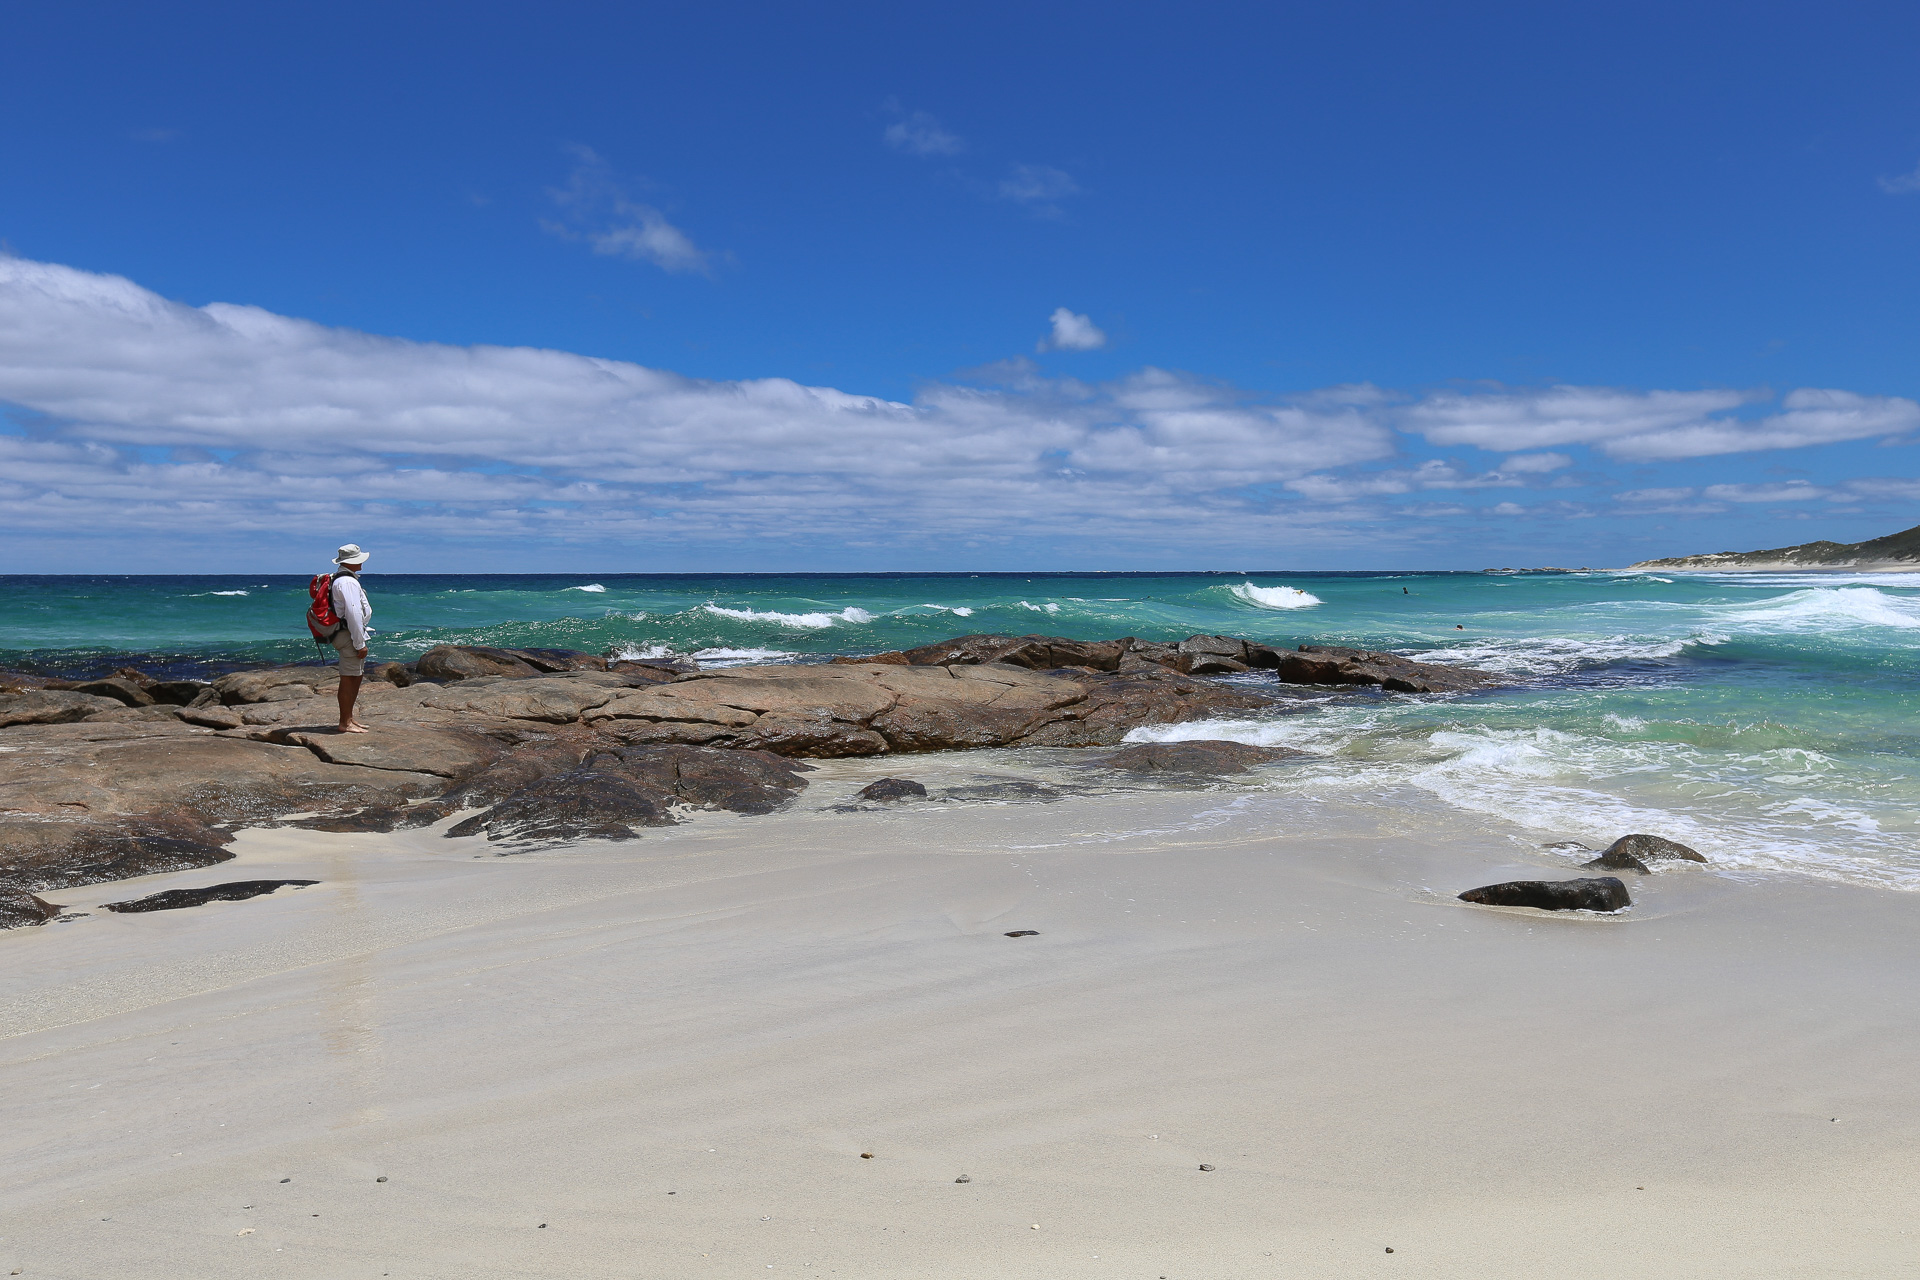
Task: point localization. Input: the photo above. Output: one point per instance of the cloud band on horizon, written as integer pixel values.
(158, 413)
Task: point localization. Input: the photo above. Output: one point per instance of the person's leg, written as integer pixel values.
(349, 691)
(353, 669)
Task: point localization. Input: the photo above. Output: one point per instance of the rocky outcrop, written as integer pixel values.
(231, 891)
(1333, 664)
(51, 706)
(1895, 551)
(1204, 757)
(122, 690)
(875, 708)
(1201, 655)
(1601, 893)
(465, 662)
(19, 908)
(147, 775)
(1641, 852)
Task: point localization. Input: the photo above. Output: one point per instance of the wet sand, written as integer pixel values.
(674, 1052)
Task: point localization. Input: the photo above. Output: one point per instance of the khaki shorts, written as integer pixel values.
(350, 663)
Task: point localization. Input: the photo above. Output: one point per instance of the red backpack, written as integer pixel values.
(322, 621)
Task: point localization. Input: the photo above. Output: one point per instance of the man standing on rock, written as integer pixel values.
(351, 607)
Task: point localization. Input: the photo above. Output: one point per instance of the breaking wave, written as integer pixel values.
(806, 621)
(1274, 597)
(591, 586)
(1821, 609)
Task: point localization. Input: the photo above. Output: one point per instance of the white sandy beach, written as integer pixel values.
(673, 1053)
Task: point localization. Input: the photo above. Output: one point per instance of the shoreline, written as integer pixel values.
(563, 1036)
(1775, 566)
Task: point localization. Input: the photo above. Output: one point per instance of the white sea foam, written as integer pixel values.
(958, 610)
(734, 657)
(1274, 597)
(591, 586)
(1745, 811)
(808, 621)
(196, 595)
(1048, 607)
(1554, 654)
(632, 653)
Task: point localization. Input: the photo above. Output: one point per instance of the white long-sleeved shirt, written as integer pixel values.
(351, 607)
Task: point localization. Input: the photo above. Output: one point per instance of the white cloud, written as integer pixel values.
(1040, 187)
(1430, 475)
(1895, 487)
(920, 134)
(1535, 463)
(147, 417)
(599, 211)
(1792, 491)
(1902, 183)
(1072, 333)
(1652, 424)
(231, 418)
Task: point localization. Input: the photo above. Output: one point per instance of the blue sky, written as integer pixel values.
(887, 286)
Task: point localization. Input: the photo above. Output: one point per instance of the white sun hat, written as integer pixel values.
(351, 554)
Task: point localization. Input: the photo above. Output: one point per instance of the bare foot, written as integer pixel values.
(355, 722)
(353, 728)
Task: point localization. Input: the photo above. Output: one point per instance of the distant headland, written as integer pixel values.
(1895, 551)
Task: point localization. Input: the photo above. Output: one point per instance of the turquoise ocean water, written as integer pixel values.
(1771, 720)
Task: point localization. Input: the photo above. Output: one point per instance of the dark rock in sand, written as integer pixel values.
(1005, 791)
(60, 854)
(580, 804)
(1636, 852)
(1331, 664)
(887, 790)
(518, 768)
(51, 706)
(1200, 757)
(231, 891)
(740, 781)
(1602, 893)
(19, 908)
(617, 793)
(376, 820)
(1024, 933)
